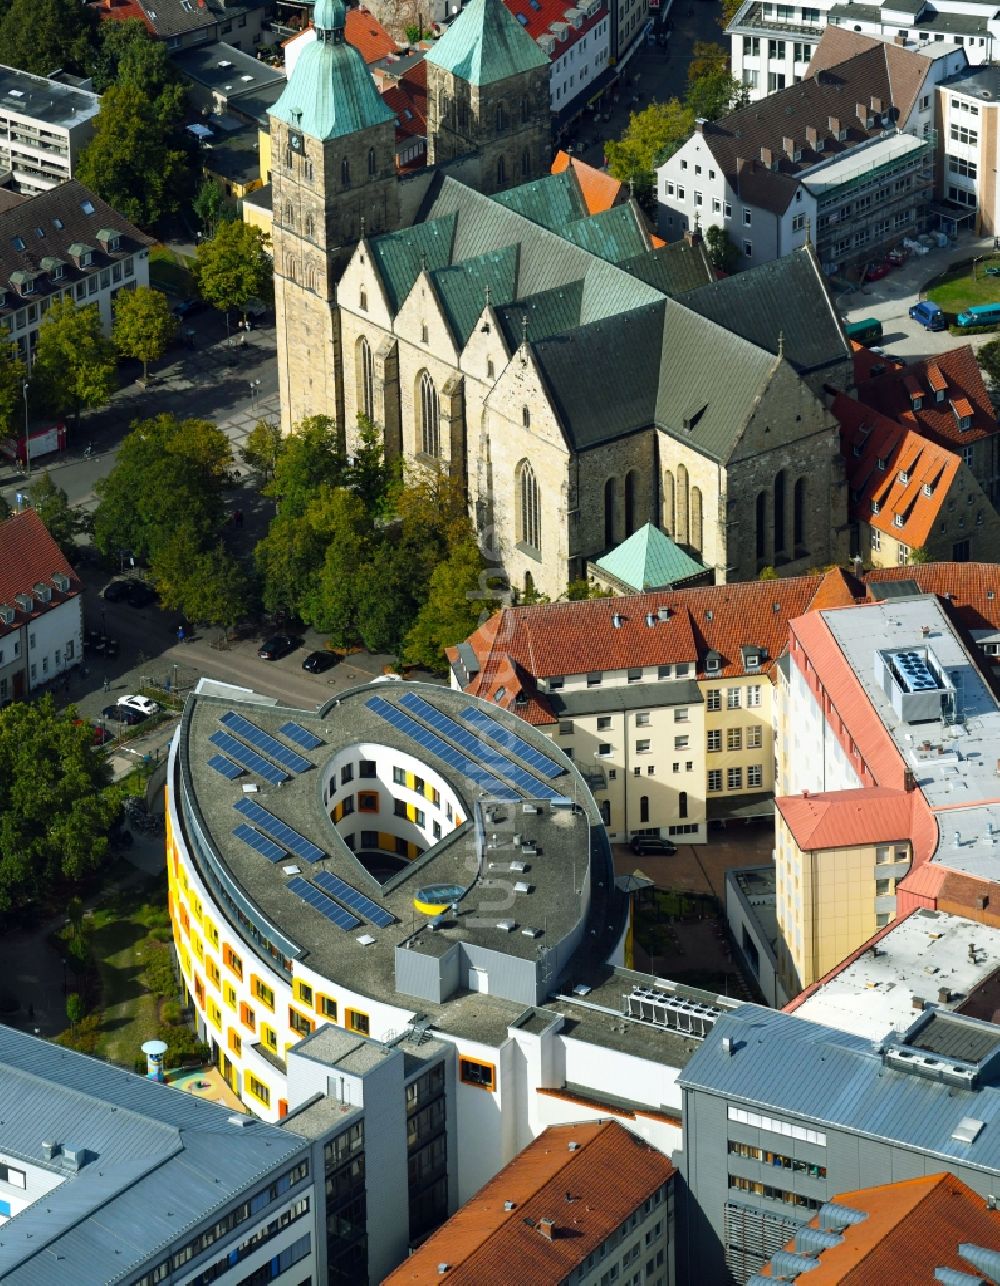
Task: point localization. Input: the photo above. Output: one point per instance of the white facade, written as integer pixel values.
(53, 641)
(579, 49)
(44, 126)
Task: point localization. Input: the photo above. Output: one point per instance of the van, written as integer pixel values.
(980, 315)
(928, 314)
(868, 331)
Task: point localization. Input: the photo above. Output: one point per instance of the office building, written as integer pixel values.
(44, 126)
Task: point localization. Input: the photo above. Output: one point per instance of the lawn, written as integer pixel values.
(956, 289)
(169, 272)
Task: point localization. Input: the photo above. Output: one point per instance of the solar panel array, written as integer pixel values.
(262, 740)
(324, 905)
(355, 899)
(248, 758)
(277, 829)
(448, 754)
(484, 752)
(301, 736)
(259, 843)
(511, 741)
(226, 767)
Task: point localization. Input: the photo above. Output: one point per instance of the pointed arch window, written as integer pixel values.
(366, 379)
(310, 226)
(289, 215)
(525, 111)
(501, 171)
(371, 162)
(345, 173)
(525, 164)
(609, 513)
(501, 117)
(430, 417)
(529, 527)
(631, 488)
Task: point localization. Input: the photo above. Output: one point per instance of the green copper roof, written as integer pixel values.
(551, 202)
(329, 15)
(550, 312)
(463, 288)
(649, 560)
(401, 256)
(613, 234)
(330, 93)
(674, 269)
(485, 44)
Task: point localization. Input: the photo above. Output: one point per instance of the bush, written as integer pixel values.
(170, 1011)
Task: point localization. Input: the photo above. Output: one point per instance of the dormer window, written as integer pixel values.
(904, 477)
(54, 267)
(928, 489)
(109, 239)
(965, 422)
(23, 282)
(81, 254)
(897, 520)
(917, 401)
(939, 395)
(876, 507)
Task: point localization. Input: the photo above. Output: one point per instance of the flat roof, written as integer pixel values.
(223, 67)
(859, 161)
(921, 957)
(45, 100)
(954, 762)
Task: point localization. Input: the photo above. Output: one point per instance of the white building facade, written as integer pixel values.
(44, 126)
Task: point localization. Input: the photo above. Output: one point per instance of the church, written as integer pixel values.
(581, 380)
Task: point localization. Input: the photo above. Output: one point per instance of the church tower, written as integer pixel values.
(488, 98)
(333, 176)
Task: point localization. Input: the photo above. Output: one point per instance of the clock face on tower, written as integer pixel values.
(295, 142)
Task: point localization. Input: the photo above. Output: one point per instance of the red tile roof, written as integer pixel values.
(122, 11)
(878, 454)
(29, 556)
(406, 98)
(971, 591)
(847, 818)
(913, 1228)
(368, 36)
(538, 17)
(600, 191)
(609, 1174)
(956, 372)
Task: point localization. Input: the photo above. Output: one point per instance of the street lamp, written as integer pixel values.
(27, 439)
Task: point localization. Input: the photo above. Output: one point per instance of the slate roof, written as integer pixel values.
(486, 44)
(649, 559)
(784, 301)
(162, 1161)
(911, 1229)
(548, 313)
(955, 371)
(835, 1080)
(674, 269)
(495, 1236)
(401, 256)
(165, 18)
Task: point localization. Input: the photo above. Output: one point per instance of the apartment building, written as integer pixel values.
(183, 23)
(843, 159)
(578, 41)
(44, 126)
(662, 700)
(65, 243)
(772, 45)
(41, 608)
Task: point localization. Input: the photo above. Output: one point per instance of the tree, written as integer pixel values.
(41, 35)
(233, 267)
(74, 363)
(140, 159)
(577, 590)
(13, 373)
(919, 555)
(168, 477)
(330, 601)
(722, 254)
(116, 41)
(310, 457)
(52, 506)
(143, 326)
(75, 1008)
(458, 599)
(730, 8)
(209, 203)
(713, 94)
(206, 585)
(989, 361)
(56, 802)
(261, 450)
(707, 57)
(652, 136)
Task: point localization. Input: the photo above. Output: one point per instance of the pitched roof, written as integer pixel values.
(847, 818)
(615, 235)
(971, 591)
(400, 257)
(783, 303)
(486, 44)
(166, 18)
(462, 288)
(406, 98)
(878, 455)
(29, 557)
(894, 390)
(496, 1235)
(674, 269)
(364, 31)
(649, 559)
(552, 201)
(911, 1229)
(600, 191)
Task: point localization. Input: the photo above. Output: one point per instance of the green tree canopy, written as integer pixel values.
(261, 450)
(56, 802)
(206, 585)
(233, 267)
(989, 361)
(341, 522)
(713, 94)
(707, 57)
(74, 364)
(722, 253)
(140, 158)
(168, 477)
(310, 457)
(652, 136)
(730, 8)
(116, 42)
(143, 326)
(209, 205)
(458, 599)
(52, 506)
(42, 35)
(13, 373)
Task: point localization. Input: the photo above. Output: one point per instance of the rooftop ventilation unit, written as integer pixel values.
(519, 866)
(617, 620)
(522, 887)
(663, 613)
(967, 1130)
(915, 683)
(530, 808)
(531, 933)
(506, 926)
(671, 1012)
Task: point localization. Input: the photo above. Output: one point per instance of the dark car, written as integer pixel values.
(123, 714)
(119, 590)
(317, 662)
(876, 271)
(140, 594)
(652, 844)
(188, 307)
(279, 645)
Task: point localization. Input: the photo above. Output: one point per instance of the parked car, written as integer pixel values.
(898, 256)
(188, 307)
(279, 645)
(318, 662)
(928, 314)
(123, 714)
(876, 271)
(140, 594)
(100, 733)
(144, 705)
(118, 590)
(652, 844)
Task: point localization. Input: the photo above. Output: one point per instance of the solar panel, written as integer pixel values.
(301, 736)
(355, 899)
(260, 843)
(324, 905)
(448, 754)
(511, 741)
(483, 751)
(225, 766)
(264, 741)
(248, 758)
(277, 829)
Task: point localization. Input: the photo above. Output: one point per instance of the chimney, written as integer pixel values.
(699, 124)
(766, 157)
(834, 124)
(692, 236)
(899, 38)
(876, 104)
(918, 1002)
(944, 995)
(788, 147)
(862, 114)
(909, 780)
(547, 1228)
(812, 136)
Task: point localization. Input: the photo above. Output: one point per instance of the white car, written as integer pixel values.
(142, 704)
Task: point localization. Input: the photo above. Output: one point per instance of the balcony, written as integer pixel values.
(750, 20)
